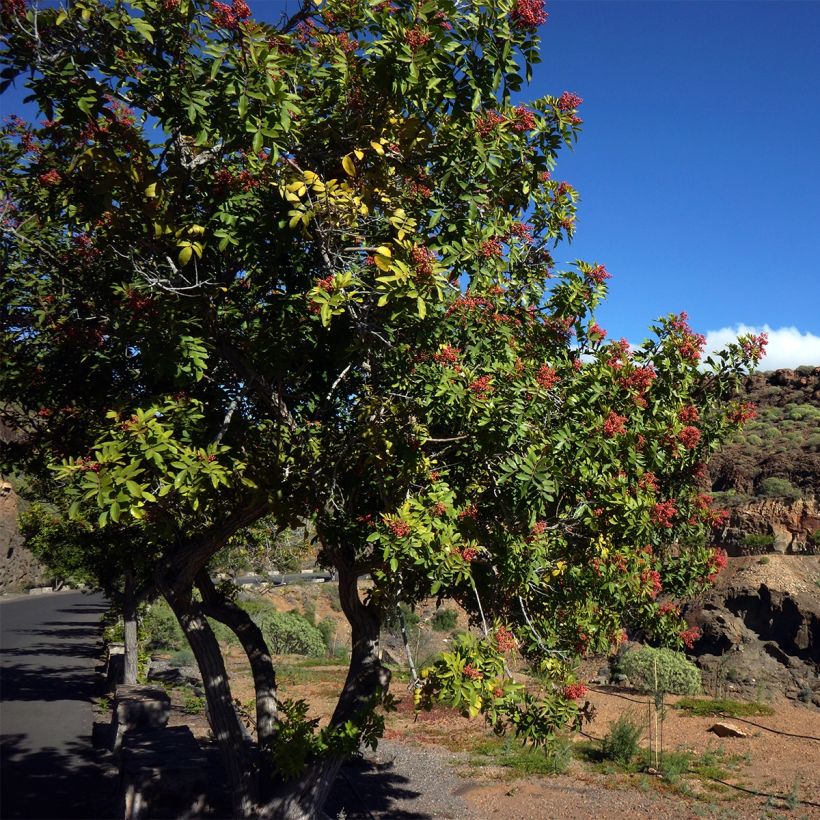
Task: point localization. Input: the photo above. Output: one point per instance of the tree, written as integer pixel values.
(303, 271)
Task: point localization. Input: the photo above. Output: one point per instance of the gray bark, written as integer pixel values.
(237, 755)
(221, 608)
(304, 798)
(129, 617)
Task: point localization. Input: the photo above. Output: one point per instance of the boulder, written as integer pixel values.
(727, 730)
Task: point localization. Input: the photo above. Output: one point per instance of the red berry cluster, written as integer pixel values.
(470, 511)
(520, 230)
(649, 481)
(347, 44)
(689, 437)
(640, 379)
(688, 414)
(716, 564)
(471, 672)
(490, 248)
(547, 377)
(614, 425)
(528, 13)
(447, 355)
(12, 8)
(416, 38)
(652, 579)
(596, 332)
(439, 508)
(742, 413)
(51, 177)
(575, 691)
(663, 512)
(523, 119)
(505, 640)
(689, 636)
(326, 284)
(599, 274)
(668, 608)
(569, 101)
(754, 347)
(399, 528)
(230, 17)
(487, 123)
(422, 259)
(481, 387)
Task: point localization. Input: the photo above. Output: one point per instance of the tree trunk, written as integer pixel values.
(221, 608)
(304, 798)
(237, 754)
(129, 617)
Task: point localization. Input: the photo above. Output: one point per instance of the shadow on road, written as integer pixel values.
(48, 778)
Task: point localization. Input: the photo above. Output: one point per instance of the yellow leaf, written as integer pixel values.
(382, 262)
(310, 177)
(359, 153)
(151, 191)
(376, 146)
(384, 250)
(347, 164)
(185, 254)
(422, 308)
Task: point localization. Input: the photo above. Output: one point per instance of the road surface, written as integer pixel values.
(49, 646)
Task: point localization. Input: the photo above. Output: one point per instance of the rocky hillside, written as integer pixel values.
(768, 475)
(761, 622)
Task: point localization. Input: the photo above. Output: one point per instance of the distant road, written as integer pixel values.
(280, 580)
(49, 646)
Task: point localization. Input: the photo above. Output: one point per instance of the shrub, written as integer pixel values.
(445, 620)
(814, 538)
(720, 707)
(621, 741)
(661, 671)
(288, 633)
(182, 657)
(328, 630)
(162, 629)
(757, 541)
(779, 488)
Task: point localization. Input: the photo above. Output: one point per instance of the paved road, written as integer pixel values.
(49, 646)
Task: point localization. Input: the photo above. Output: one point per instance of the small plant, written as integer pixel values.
(661, 670)
(328, 631)
(779, 488)
(182, 657)
(193, 704)
(764, 560)
(445, 620)
(621, 741)
(758, 542)
(717, 707)
(104, 704)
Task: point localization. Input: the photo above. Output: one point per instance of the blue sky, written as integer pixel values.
(699, 161)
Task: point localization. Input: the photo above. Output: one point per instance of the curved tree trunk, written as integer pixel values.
(237, 754)
(304, 798)
(221, 608)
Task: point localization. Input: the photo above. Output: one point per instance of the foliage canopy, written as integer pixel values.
(305, 271)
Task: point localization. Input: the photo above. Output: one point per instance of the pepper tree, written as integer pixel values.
(303, 270)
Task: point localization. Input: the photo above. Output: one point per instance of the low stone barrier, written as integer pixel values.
(139, 708)
(164, 773)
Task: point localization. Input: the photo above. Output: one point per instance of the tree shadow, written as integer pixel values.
(27, 682)
(365, 789)
(48, 783)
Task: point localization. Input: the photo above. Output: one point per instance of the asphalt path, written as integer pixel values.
(49, 647)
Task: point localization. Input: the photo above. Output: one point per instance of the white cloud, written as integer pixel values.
(787, 347)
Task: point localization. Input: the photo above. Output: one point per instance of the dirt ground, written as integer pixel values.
(427, 767)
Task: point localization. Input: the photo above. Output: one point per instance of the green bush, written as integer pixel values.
(722, 707)
(328, 631)
(621, 741)
(162, 628)
(814, 538)
(779, 488)
(288, 633)
(444, 620)
(182, 657)
(661, 671)
(756, 541)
